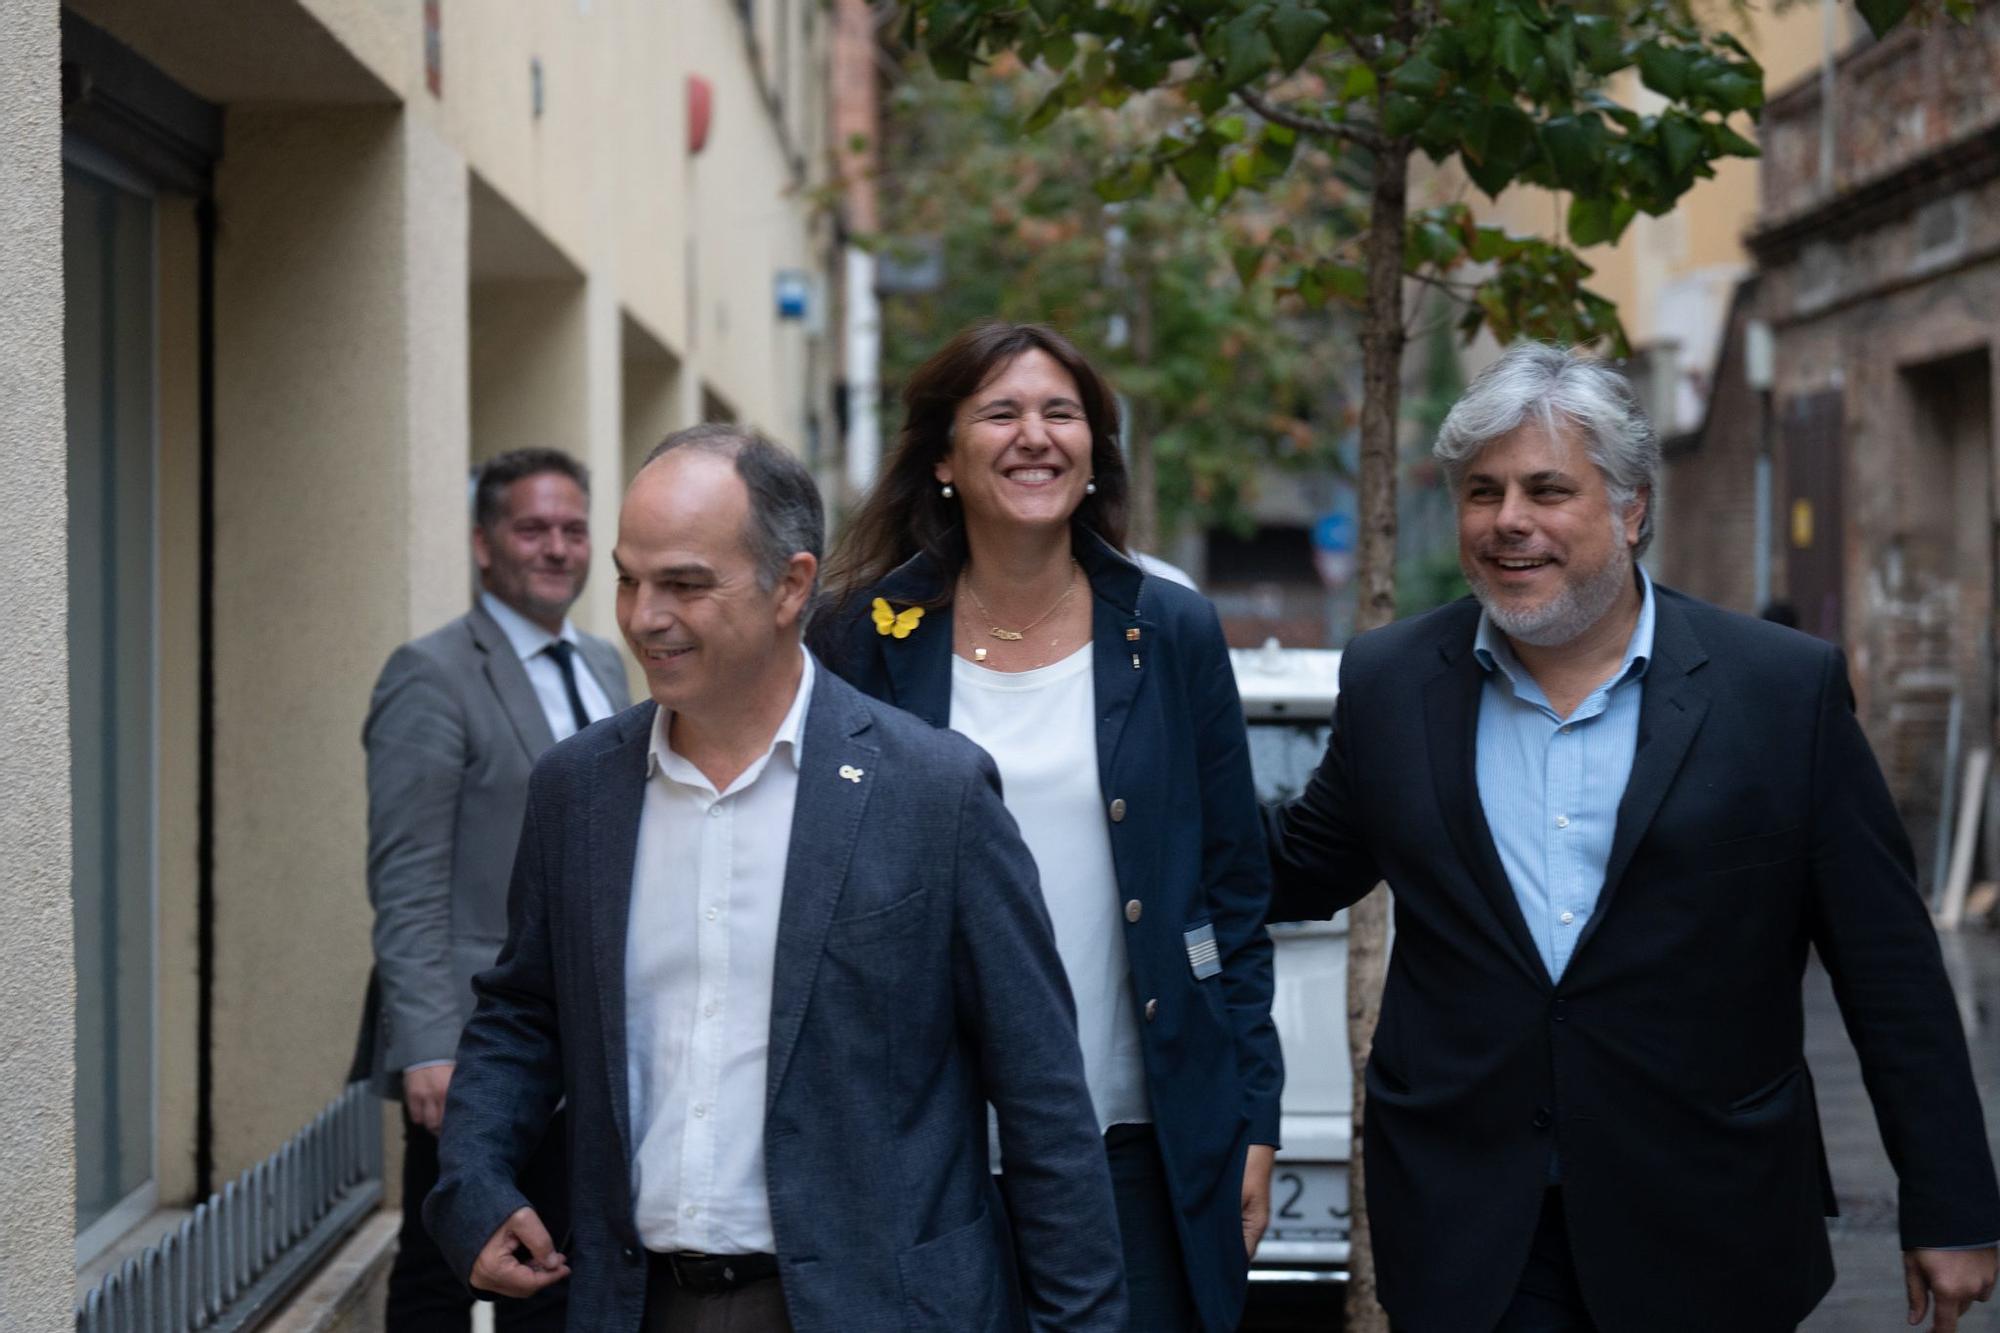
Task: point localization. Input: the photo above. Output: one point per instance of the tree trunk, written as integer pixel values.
(1142, 526)
(1381, 396)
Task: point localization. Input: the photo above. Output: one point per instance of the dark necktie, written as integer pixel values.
(565, 654)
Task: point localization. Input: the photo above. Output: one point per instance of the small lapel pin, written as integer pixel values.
(1132, 636)
(1135, 661)
(850, 772)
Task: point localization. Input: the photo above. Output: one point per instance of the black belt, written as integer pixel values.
(710, 1273)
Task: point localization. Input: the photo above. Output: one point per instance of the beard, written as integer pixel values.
(1576, 606)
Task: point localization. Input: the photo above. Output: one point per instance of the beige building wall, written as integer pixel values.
(37, 969)
(342, 444)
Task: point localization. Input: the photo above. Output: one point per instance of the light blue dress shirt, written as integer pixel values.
(1550, 785)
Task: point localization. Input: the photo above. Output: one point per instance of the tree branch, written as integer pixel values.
(1363, 136)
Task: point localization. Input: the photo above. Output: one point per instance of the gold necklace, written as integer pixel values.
(1016, 635)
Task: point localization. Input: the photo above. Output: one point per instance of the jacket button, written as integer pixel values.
(1559, 1011)
(1132, 911)
(1118, 810)
(631, 1255)
(1544, 1117)
(1152, 1010)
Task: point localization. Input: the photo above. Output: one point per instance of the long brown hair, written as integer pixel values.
(906, 513)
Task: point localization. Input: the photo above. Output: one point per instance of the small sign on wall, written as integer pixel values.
(434, 47)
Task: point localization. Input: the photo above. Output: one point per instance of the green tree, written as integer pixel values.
(1512, 92)
(1215, 380)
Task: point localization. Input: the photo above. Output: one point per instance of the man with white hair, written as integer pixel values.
(1614, 818)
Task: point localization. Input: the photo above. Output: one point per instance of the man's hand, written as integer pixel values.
(499, 1271)
(1257, 1194)
(423, 1094)
(1953, 1279)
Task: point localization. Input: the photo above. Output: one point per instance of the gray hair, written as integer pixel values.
(1558, 384)
(786, 513)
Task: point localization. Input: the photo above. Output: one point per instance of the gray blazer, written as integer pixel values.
(454, 729)
(916, 980)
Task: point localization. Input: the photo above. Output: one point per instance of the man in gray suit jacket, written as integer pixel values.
(778, 945)
(456, 723)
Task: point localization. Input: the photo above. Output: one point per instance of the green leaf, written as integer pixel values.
(1246, 52)
(1664, 69)
(1130, 181)
(1059, 50)
(1347, 281)
(1682, 141)
(1499, 142)
(1560, 48)
(1229, 128)
(1882, 15)
(1052, 104)
(1418, 77)
(1359, 83)
(1513, 46)
(1602, 48)
(1402, 115)
(1734, 90)
(1048, 11)
(1195, 168)
(1593, 220)
(1247, 259)
(1575, 146)
(1296, 31)
(1725, 142)
(1490, 244)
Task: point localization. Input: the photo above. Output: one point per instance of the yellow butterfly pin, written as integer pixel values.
(898, 623)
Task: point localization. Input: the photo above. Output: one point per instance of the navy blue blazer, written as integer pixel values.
(1174, 768)
(1667, 1064)
(916, 981)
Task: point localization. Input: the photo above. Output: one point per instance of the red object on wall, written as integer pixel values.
(701, 109)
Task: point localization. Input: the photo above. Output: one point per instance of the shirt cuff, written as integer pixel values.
(433, 1064)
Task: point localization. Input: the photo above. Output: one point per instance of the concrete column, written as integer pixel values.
(603, 449)
(342, 448)
(37, 963)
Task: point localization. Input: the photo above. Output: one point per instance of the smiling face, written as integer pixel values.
(536, 555)
(1544, 548)
(708, 634)
(1020, 446)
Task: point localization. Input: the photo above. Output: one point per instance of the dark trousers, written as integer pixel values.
(1547, 1299)
(1155, 1277)
(757, 1308)
(424, 1294)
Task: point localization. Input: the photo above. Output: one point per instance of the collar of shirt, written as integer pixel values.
(1490, 646)
(527, 637)
(662, 761)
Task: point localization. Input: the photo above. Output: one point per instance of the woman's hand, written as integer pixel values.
(1256, 1194)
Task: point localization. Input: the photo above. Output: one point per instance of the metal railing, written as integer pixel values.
(231, 1263)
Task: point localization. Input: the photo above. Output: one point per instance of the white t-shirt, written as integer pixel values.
(1040, 727)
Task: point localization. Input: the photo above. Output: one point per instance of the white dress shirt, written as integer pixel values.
(707, 883)
(531, 643)
(1040, 727)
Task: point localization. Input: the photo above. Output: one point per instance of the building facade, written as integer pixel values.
(275, 277)
(1877, 245)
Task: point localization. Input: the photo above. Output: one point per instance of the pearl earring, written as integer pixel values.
(947, 492)
(1090, 488)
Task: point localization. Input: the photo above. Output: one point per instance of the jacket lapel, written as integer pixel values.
(1451, 724)
(509, 682)
(826, 821)
(1672, 705)
(601, 657)
(614, 844)
(919, 667)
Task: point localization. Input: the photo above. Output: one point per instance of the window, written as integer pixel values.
(108, 346)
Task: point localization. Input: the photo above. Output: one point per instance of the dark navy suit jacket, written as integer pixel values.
(1667, 1065)
(916, 981)
(1174, 769)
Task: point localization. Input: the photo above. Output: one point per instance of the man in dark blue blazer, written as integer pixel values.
(778, 946)
(1614, 820)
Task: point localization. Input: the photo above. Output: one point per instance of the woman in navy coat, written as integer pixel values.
(982, 587)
